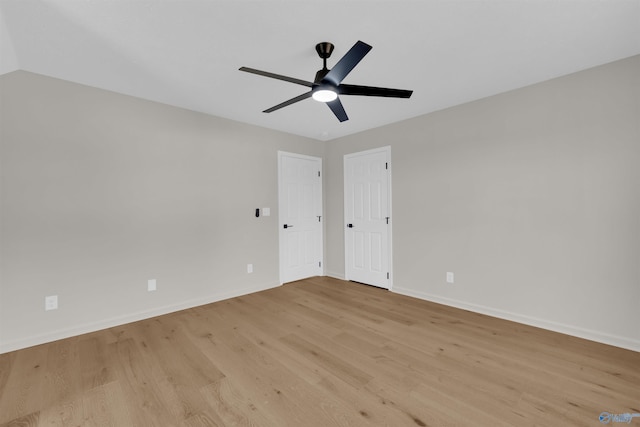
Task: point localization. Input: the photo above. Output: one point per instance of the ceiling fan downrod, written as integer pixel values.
(324, 50)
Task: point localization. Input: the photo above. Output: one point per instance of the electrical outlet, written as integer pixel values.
(51, 303)
(249, 268)
(151, 285)
(449, 277)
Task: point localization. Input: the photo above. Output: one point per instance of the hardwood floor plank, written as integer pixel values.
(201, 419)
(273, 390)
(451, 410)
(261, 334)
(136, 377)
(93, 364)
(64, 408)
(6, 364)
(182, 369)
(290, 380)
(318, 352)
(230, 405)
(337, 366)
(31, 420)
(106, 405)
(24, 388)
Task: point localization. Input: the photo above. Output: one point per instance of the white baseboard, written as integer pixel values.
(591, 335)
(121, 320)
(335, 275)
(614, 340)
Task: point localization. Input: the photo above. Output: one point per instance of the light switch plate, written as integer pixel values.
(151, 285)
(266, 211)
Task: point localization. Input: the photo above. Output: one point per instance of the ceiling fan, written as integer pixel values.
(327, 84)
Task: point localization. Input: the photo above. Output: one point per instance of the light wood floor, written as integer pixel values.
(319, 352)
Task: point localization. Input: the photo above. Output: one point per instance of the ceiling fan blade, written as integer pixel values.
(276, 76)
(373, 91)
(338, 109)
(347, 63)
(289, 102)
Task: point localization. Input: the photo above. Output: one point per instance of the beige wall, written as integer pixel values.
(101, 192)
(532, 199)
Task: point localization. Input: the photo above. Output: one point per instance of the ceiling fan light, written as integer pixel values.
(324, 95)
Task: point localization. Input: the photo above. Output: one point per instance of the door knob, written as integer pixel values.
(350, 225)
(288, 226)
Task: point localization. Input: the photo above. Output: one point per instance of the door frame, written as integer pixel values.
(386, 149)
(281, 234)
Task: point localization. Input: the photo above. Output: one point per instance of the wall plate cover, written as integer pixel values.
(51, 302)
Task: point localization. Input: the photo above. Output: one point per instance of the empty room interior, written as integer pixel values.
(188, 237)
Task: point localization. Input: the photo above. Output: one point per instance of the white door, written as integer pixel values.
(367, 203)
(300, 216)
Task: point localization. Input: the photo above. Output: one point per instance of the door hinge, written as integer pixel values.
(387, 219)
(320, 264)
(386, 165)
(387, 276)
(318, 174)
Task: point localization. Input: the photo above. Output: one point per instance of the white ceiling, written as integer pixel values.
(187, 52)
